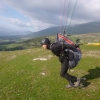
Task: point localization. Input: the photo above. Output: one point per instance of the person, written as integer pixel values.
(61, 50)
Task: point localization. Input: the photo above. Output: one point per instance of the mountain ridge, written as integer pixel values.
(91, 27)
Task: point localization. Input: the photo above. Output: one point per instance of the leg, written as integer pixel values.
(64, 69)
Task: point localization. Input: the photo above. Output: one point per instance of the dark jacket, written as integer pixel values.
(72, 53)
(58, 47)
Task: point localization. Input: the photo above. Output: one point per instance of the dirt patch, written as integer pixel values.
(91, 53)
(43, 58)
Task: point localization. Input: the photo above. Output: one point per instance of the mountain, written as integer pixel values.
(46, 32)
(11, 32)
(91, 27)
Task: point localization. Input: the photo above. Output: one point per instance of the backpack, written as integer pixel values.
(73, 56)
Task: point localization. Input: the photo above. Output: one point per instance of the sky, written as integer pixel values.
(35, 15)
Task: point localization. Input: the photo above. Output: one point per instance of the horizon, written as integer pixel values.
(36, 15)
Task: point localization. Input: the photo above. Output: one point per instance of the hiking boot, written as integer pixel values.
(77, 83)
(82, 80)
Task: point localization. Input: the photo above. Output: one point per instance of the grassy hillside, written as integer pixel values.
(23, 77)
(36, 42)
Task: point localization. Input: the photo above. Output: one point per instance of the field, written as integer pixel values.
(11, 45)
(24, 77)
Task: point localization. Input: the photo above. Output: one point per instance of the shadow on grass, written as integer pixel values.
(92, 74)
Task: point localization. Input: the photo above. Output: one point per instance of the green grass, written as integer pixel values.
(21, 78)
(8, 45)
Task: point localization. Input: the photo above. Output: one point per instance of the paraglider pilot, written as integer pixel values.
(65, 53)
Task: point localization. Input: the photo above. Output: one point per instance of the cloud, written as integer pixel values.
(16, 21)
(47, 13)
(37, 9)
(88, 10)
(37, 25)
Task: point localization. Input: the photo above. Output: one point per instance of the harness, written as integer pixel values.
(73, 56)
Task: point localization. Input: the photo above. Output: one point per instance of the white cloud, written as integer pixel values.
(37, 25)
(46, 13)
(88, 10)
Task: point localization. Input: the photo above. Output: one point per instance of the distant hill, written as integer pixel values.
(9, 32)
(92, 27)
(46, 32)
(13, 35)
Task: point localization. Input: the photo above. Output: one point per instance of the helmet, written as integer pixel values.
(45, 41)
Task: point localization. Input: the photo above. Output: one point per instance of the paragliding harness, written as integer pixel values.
(73, 56)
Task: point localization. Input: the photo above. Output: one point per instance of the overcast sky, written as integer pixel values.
(35, 15)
